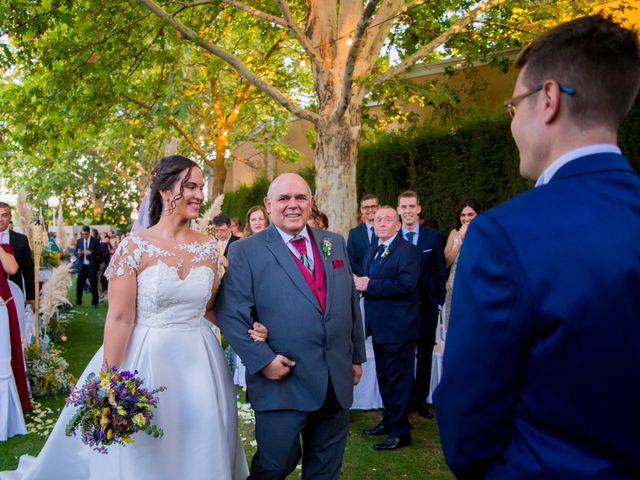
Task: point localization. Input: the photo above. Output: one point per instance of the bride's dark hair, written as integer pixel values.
(164, 176)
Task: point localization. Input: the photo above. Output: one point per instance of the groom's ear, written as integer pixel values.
(267, 205)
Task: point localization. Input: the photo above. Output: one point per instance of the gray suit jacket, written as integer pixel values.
(263, 283)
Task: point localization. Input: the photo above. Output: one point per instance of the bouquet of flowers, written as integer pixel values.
(113, 406)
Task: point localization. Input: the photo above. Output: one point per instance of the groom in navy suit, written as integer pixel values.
(297, 281)
(542, 365)
(391, 306)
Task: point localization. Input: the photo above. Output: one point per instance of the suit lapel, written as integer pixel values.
(318, 238)
(283, 256)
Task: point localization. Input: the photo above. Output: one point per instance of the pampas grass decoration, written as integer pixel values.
(54, 292)
(26, 217)
(61, 236)
(214, 210)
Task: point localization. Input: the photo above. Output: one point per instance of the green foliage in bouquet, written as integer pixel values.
(47, 371)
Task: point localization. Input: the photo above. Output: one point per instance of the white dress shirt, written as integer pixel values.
(548, 173)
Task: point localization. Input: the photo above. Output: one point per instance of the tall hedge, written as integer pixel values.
(479, 160)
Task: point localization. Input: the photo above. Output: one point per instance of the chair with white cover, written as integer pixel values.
(366, 395)
(18, 297)
(11, 418)
(436, 356)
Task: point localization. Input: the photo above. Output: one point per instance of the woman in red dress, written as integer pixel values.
(9, 266)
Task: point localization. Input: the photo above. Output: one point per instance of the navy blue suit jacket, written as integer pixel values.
(433, 274)
(542, 364)
(392, 305)
(357, 248)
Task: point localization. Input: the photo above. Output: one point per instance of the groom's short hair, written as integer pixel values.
(594, 56)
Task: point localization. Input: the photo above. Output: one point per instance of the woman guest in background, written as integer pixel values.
(9, 266)
(467, 211)
(317, 219)
(257, 220)
(236, 228)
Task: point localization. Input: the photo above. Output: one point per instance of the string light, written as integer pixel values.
(349, 41)
(202, 126)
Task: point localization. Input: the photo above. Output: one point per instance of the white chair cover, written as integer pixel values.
(366, 395)
(436, 356)
(239, 371)
(11, 418)
(18, 297)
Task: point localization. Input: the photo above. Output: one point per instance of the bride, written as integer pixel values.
(162, 282)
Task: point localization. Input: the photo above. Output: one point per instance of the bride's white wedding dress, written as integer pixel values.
(171, 345)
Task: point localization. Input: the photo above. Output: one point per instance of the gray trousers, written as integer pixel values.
(324, 437)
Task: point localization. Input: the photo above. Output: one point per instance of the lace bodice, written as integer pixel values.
(174, 282)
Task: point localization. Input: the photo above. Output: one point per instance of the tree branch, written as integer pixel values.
(456, 28)
(239, 5)
(175, 125)
(234, 62)
(297, 33)
(347, 79)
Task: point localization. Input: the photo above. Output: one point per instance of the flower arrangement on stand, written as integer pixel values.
(113, 406)
(46, 370)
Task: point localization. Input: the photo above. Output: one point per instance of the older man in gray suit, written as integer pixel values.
(297, 281)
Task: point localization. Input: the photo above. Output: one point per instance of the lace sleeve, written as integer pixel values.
(126, 259)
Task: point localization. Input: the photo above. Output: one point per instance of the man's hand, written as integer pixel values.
(259, 332)
(361, 283)
(357, 373)
(279, 368)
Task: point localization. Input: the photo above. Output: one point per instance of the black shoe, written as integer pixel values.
(425, 411)
(374, 431)
(393, 443)
(94, 306)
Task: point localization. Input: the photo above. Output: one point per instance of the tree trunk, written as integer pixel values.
(335, 161)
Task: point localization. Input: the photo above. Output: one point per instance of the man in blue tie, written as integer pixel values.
(431, 288)
(391, 303)
(363, 236)
(541, 369)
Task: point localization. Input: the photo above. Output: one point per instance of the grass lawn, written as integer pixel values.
(423, 460)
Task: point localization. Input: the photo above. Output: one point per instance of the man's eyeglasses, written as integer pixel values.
(511, 104)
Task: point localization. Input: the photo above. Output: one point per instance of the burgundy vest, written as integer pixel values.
(316, 281)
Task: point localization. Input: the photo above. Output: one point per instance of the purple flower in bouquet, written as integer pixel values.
(113, 406)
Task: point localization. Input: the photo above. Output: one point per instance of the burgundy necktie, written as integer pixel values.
(301, 246)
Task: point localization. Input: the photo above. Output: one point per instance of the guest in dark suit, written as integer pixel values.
(88, 253)
(363, 236)
(541, 377)
(19, 243)
(431, 288)
(297, 281)
(391, 306)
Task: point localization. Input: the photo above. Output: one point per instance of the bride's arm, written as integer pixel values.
(121, 318)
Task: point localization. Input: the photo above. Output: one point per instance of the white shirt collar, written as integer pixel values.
(388, 242)
(548, 173)
(414, 229)
(287, 236)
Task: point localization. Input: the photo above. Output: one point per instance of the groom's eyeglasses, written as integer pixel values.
(511, 104)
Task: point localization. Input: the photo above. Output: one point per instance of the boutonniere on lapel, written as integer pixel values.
(326, 248)
(385, 253)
